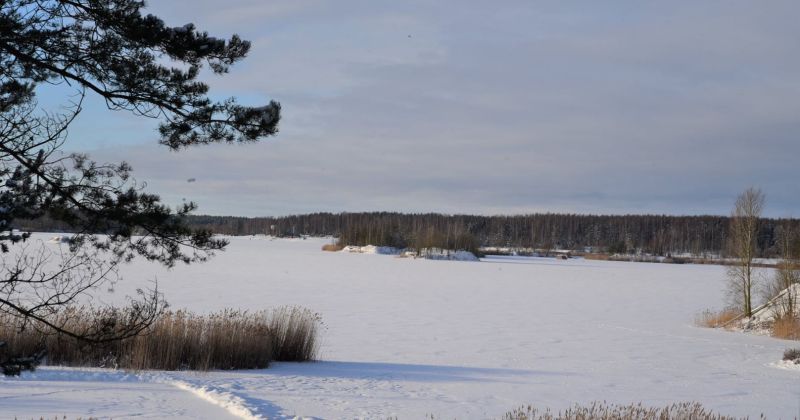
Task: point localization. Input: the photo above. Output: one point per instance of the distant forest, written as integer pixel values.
(652, 234)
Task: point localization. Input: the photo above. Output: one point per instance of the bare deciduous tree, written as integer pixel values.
(743, 247)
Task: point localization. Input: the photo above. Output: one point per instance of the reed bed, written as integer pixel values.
(607, 411)
(332, 247)
(294, 334)
(786, 327)
(711, 319)
(181, 340)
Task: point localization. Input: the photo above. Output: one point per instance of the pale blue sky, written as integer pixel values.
(489, 107)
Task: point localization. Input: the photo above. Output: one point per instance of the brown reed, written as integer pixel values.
(180, 340)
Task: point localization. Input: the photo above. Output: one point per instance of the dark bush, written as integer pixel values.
(792, 355)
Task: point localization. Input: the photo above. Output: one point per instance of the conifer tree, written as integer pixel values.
(138, 64)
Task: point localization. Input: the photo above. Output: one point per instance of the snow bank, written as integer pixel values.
(427, 253)
(372, 249)
(786, 365)
(61, 239)
(447, 254)
(769, 311)
(233, 404)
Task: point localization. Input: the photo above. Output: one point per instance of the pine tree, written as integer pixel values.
(110, 49)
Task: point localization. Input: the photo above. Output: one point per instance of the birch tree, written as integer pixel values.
(744, 226)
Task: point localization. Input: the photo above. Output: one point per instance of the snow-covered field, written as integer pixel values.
(464, 340)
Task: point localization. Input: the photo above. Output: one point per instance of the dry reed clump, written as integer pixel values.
(711, 319)
(181, 340)
(607, 411)
(786, 327)
(598, 257)
(294, 334)
(332, 247)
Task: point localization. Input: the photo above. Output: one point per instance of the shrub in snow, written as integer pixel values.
(792, 355)
(15, 365)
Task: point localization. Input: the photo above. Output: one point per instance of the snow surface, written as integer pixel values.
(411, 337)
(101, 393)
(787, 364)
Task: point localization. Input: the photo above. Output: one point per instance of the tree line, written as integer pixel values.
(653, 234)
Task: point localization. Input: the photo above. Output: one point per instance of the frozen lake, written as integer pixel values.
(409, 338)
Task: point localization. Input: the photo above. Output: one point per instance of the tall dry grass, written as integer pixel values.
(607, 411)
(786, 327)
(597, 257)
(332, 247)
(711, 319)
(230, 339)
(294, 334)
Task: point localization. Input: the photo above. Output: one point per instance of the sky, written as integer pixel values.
(667, 107)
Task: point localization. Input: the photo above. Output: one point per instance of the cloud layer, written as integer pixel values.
(475, 107)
